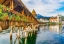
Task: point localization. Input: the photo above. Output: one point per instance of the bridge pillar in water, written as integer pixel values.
(29, 29)
(0, 28)
(11, 32)
(22, 28)
(25, 31)
(22, 31)
(18, 33)
(34, 27)
(26, 34)
(25, 40)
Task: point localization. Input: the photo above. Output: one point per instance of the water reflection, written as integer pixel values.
(50, 35)
(56, 29)
(26, 40)
(46, 35)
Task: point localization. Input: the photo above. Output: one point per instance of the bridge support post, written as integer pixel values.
(26, 32)
(22, 28)
(31, 32)
(18, 34)
(0, 29)
(11, 34)
(14, 28)
(34, 28)
(26, 40)
(22, 32)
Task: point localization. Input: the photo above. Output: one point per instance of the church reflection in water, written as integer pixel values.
(56, 34)
(52, 28)
(56, 29)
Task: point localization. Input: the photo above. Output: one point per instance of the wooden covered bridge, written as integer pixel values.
(17, 7)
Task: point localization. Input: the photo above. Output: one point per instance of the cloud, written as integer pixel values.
(45, 7)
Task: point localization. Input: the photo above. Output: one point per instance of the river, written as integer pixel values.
(45, 35)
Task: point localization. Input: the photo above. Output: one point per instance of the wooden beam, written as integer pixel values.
(4, 1)
(1, 1)
(8, 4)
(23, 12)
(11, 4)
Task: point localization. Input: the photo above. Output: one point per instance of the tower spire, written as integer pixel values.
(33, 13)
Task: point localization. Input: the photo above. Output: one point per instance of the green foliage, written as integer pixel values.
(17, 18)
(24, 19)
(52, 23)
(2, 18)
(8, 8)
(0, 14)
(1, 6)
(4, 15)
(10, 18)
(0, 10)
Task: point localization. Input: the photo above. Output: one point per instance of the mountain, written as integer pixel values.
(38, 16)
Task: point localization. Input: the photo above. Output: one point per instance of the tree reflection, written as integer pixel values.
(28, 40)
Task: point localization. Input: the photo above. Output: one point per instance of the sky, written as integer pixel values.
(45, 7)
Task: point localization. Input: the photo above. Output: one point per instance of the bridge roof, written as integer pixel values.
(18, 6)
